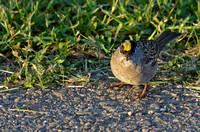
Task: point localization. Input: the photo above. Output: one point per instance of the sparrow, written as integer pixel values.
(135, 62)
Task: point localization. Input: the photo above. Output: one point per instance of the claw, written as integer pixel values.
(117, 85)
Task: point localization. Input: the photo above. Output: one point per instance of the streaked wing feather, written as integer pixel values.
(150, 49)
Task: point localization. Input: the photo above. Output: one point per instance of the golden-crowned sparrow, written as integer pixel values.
(135, 62)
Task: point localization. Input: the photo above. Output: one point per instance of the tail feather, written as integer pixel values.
(165, 38)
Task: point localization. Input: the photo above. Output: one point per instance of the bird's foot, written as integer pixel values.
(121, 84)
(142, 95)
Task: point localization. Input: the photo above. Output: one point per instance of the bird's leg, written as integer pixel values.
(143, 94)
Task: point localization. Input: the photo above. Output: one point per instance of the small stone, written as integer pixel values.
(108, 130)
(4, 110)
(150, 112)
(88, 125)
(83, 113)
(155, 106)
(16, 100)
(145, 130)
(129, 113)
(99, 75)
(191, 113)
(163, 109)
(179, 86)
(175, 121)
(160, 101)
(146, 123)
(174, 94)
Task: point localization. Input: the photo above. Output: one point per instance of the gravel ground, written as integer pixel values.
(99, 108)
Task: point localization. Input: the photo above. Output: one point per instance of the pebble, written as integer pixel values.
(129, 113)
(83, 113)
(163, 109)
(145, 130)
(175, 121)
(173, 94)
(150, 111)
(155, 106)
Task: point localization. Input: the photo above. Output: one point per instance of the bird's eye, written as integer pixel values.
(122, 48)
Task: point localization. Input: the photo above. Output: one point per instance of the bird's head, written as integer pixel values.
(125, 48)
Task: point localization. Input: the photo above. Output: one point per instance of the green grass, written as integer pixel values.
(46, 44)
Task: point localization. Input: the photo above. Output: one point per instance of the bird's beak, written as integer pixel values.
(126, 56)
